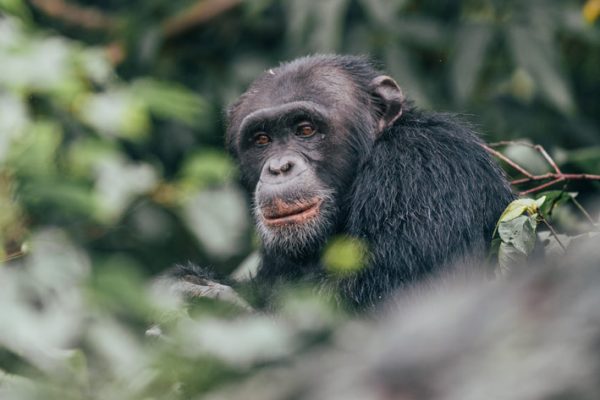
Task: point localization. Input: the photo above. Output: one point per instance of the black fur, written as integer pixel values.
(422, 193)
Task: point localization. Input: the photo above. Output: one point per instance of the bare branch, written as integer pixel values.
(584, 212)
(547, 158)
(72, 14)
(555, 177)
(13, 256)
(508, 161)
(553, 232)
(541, 187)
(200, 13)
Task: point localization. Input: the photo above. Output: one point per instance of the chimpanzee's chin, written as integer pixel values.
(300, 229)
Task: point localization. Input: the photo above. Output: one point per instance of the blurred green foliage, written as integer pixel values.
(112, 164)
(344, 255)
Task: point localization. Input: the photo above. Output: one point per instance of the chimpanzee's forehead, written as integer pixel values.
(324, 85)
(327, 83)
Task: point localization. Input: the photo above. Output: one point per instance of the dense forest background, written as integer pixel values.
(112, 164)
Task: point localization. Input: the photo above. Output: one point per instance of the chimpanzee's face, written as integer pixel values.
(290, 148)
(299, 136)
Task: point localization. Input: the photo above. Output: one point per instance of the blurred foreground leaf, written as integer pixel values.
(167, 100)
(345, 255)
(219, 220)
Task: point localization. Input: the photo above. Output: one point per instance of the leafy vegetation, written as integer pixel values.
(112, 167)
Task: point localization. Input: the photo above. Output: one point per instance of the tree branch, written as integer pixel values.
(72, 14)
(540, 149)
(553, 233)
(509, 162)
(13, 256)
(584, 212)
(555, 177)
(199, 13)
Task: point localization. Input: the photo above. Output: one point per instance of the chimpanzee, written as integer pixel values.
(328, 145)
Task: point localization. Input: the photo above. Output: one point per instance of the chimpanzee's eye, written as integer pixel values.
(305, 129)
(261, 139)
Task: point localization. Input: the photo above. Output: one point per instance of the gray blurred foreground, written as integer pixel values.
(535, 336)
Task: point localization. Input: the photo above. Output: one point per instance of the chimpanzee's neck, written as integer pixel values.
(279, 267)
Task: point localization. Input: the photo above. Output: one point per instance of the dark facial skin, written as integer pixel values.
(285, 150)
(298, 142)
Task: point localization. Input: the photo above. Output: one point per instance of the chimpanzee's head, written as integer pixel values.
(299, 134)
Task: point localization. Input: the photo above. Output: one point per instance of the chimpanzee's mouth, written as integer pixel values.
(281, 213)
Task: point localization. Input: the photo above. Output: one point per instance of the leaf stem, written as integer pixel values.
(553, 233)
(584, 212)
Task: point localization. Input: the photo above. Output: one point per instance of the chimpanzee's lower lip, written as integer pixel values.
(288, 214)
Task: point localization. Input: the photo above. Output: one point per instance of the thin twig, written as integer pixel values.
(539, 148)
(532, 178)
(547, 157)
(92, 18)
(13, 256)
(584, 212)
(508, 161)
(72, 14)
(556, 177)
(199, 13)
(541, 187)
(553, 233)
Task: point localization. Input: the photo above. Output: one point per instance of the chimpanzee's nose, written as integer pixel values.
(281, 166)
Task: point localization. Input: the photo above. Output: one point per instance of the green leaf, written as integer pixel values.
(521, 85)
(63, 198)
(539, 201)
(40, 65)
(508, 257)
(36, 153)
(119, 182)
(77, 364)
(118, 287)
(116, 113)
(519, 232)
(170, 100)
(494, 248)
(84, 154)
(16, 386)
(553, 198)
(345, 255)
(14, 120)
(219, 219)
(94, 64)
(206, 168)
(17, 8)
(520, 206)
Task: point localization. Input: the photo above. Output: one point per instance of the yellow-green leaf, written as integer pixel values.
(345, 255)
(520, 206)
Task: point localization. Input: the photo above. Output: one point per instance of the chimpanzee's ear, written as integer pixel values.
(389, 100)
